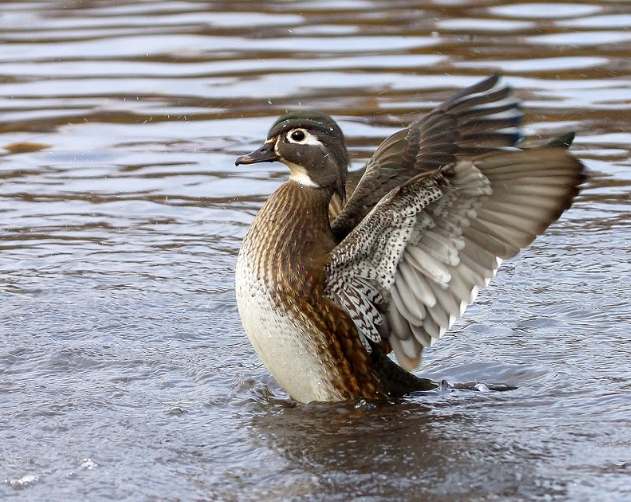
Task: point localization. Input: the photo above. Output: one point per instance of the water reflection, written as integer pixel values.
(419, 453)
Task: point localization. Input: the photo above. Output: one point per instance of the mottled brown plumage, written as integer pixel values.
(289, 243)
(440, 205)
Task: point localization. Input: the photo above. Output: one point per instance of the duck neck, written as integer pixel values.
(291, 235)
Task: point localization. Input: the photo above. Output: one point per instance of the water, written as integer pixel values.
(124, 371)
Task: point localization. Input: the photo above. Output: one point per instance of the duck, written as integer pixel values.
(339, 292)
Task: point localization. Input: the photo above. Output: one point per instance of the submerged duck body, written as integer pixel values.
(440, 205)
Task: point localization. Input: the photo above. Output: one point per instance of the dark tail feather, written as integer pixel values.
(396, 380)
(563, 141)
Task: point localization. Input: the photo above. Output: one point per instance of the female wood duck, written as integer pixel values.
(441, 203)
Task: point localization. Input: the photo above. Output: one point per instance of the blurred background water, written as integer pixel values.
(124, 370)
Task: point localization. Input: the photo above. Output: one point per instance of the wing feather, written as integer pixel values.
(442, 203)
(480, 118)
(427, 265)
(426, 250)
(399, 324)
(408, 280)
(418, 283)
(423, 337)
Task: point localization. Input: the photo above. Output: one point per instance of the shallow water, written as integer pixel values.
(124, 371)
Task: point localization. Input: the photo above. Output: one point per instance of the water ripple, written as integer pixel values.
(125, 373)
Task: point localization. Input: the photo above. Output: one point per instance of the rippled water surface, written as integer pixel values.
(124, 370)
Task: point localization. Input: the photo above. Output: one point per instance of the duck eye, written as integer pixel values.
(298, 135)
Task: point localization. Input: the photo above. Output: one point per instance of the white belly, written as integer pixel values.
(280, 340)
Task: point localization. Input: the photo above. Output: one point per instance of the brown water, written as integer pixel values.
(124, 371)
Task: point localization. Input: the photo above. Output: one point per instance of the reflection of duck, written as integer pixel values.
(440, 205)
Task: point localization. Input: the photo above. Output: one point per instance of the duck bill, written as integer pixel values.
(264, 154)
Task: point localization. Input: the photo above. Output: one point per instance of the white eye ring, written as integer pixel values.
(301, 136)
(297, 135)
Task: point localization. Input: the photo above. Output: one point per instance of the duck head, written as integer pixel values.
(312, 145)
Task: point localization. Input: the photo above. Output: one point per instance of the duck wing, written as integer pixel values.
(409, 269)
(478, 119)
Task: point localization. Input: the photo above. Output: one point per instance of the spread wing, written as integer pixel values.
(408, 270)
(478, 119)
